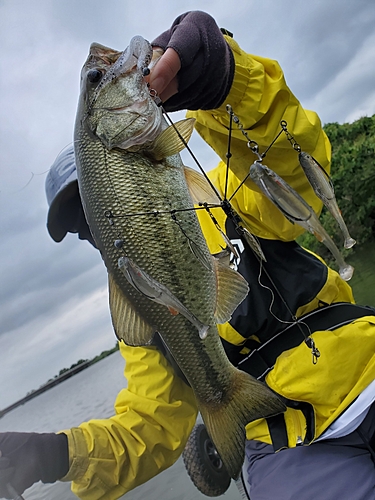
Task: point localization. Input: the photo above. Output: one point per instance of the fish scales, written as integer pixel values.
(172, 284)
(146, 236)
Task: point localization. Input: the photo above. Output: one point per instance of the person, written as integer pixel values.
(322, 446)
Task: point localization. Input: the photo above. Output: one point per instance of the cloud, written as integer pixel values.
(318, 46)
(349, 95)
(52, 341)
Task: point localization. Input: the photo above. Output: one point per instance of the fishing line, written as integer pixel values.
(294, 318)
(194, 247)
(191, 153)
(228, 155)
(295, 321)
(155, 213)
(253, 146)
(108, 212)
(28, 182)
(224, 236)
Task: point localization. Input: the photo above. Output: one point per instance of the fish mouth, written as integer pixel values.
(138, 107)
(118, 110)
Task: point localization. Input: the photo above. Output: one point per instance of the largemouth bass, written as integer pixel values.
(162, 277)
(323, 188)
(296, 210)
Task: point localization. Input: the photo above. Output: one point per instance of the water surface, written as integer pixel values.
(91, 394)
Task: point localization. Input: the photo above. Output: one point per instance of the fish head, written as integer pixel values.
(115, 103)
(303, 156)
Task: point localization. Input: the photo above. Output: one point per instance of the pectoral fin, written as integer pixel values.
(169, 141)
(232, 289)
(129, 326)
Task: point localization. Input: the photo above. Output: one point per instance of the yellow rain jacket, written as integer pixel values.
(156, 412)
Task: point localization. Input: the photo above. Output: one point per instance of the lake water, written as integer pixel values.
(91, 394)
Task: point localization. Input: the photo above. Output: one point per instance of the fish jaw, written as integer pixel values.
(120, 120)
(121, 113)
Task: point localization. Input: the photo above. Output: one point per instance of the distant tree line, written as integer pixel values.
(353, 177)
(97, 358)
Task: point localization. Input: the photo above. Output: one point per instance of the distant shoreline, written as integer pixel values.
(57, 380)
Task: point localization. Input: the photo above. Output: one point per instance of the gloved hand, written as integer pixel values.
(197, 63)
(26, 458)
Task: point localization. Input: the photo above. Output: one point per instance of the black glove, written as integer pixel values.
(207, 62)
(26, 458)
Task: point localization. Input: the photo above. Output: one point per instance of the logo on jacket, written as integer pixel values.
(239, 247)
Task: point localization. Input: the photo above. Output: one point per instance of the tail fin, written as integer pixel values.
(248, 401)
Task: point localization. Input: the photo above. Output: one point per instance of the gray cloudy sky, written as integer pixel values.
(53, 297)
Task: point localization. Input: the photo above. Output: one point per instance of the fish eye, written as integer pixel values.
(94, 75)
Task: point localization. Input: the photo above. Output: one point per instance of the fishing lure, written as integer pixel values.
(138, 53)
(159, 293)
(296, 210)
(323, 188)
(321, 183)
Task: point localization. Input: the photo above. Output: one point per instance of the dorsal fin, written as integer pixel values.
(200, 189)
